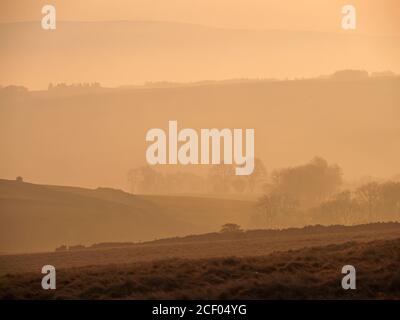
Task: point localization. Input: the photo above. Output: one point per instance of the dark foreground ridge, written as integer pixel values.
(308, 273)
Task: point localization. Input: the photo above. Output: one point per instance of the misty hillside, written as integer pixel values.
(130, 52)
(95, 137)
(40, 218)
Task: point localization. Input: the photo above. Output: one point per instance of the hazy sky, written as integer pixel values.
(374, 16)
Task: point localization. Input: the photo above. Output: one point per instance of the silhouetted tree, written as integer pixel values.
(339, 209)
(275, 205)
(389, 200)
(368, 197)
(310, 184)
(370, 202)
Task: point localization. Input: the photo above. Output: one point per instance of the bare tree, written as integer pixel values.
(368, 196)
(275, 205)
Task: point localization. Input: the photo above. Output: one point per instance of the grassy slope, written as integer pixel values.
(252, 243)
(40, 218)
(306, 273)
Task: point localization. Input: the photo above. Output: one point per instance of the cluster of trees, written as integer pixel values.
(370, 202)
(310, 194)
(293, 190)
(219, 179)
(357, 75)
(13, 91)
(231, 228)
(74, 86)
(350, 75)
(292, 197)
(307, 184)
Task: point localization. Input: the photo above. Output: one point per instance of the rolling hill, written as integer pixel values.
(39, 217)
(94, 138)
(131, 52)
(210, 245)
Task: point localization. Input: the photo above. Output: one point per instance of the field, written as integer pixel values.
(250, 243)
(36, 217)
(257, 264)
(302, 274)
(251, 264)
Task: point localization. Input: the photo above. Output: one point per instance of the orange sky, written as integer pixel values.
(374, 16)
